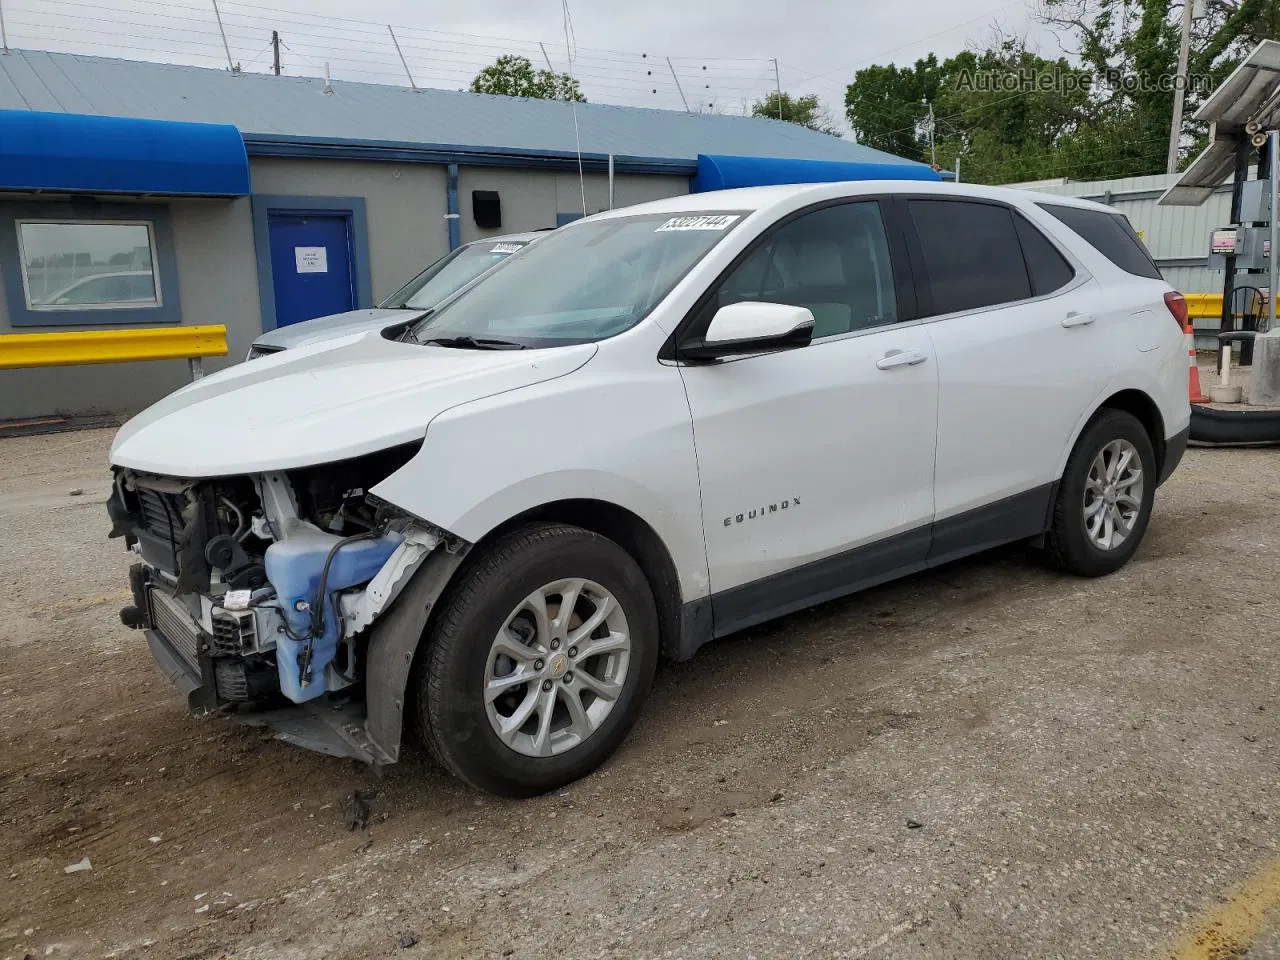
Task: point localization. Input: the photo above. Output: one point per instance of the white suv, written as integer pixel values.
(654, 427)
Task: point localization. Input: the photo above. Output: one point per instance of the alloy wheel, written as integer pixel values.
(1113, 494)
(556, 667)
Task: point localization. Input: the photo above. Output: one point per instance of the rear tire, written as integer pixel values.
(503, 623)
(1104, 502)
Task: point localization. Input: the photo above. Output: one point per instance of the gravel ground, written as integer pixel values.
(988, 761)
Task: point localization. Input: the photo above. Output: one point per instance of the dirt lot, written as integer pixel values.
(990, 761)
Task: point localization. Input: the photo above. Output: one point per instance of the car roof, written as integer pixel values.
(116, 273)
(786, 195)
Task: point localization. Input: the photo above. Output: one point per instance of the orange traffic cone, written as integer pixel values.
(1194, 393)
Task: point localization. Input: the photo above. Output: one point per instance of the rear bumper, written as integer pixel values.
(1174, 448)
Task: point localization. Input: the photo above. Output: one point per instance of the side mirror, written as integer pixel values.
(751, 327)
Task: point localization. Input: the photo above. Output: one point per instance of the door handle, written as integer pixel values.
(1074, 319)
(900, 358)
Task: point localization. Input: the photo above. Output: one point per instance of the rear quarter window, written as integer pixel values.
(1111, 235)
(1048, 269)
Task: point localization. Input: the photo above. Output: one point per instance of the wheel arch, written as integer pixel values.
(1144, 408)
(634, 535)
(1134, 401)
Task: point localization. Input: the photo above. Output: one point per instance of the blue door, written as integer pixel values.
(311, 269)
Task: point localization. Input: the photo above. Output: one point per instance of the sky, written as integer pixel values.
(721, 52)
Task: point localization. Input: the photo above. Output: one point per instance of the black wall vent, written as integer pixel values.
(486, 208)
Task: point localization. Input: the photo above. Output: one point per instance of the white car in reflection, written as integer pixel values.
(105, 289)
(431, 287)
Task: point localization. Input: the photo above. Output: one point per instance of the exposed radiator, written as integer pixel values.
(175, 625)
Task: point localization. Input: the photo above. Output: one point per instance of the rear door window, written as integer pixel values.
(1047, 268)
(972, 254)
(1111, 235)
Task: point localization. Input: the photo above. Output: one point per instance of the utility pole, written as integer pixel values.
(546, 56)
(1273, 265)
(4, 37)
(777, 86)
(275, 52)
(933, 153)
(1180, 87)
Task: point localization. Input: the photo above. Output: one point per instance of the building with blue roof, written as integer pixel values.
(137, 193)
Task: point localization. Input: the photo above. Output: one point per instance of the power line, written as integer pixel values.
(375, 29)
(448, 76)
(365, 52)
(623, 80)
(306, 23)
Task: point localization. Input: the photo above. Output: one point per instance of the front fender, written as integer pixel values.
(392, 644)
(608, 432)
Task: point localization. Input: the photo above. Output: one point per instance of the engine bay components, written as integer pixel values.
(255, 583)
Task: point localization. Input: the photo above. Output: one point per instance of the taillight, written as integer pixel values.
(1177, 305)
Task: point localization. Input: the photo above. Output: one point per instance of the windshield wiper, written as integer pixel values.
(475, 343)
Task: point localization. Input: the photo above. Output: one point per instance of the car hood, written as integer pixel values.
(340, 398)
(321, 328)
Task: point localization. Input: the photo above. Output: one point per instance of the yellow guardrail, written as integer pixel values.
(1208, 306)
(112, 346)
(1202, 306)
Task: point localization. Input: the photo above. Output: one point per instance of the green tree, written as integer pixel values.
(1132, 47)
(886, 104)
(1008, 112)
(514, 76)
(1105, 112)
(1005, 109)
(806, 110)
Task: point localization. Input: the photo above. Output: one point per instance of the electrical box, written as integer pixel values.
(1255, 249)
(1255, 201)
(1251, 246)
(1223, 242)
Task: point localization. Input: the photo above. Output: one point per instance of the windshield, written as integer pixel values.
(582, 283)
(451, 273)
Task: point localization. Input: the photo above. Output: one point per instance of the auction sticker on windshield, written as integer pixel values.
(704, 222)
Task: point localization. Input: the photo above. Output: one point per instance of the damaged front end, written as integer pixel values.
(261, 595)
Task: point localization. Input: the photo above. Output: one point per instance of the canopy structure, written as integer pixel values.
(1244, 104)
(725, 173)
(70, 153)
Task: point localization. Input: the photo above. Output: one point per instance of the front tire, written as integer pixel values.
(539, 661)
(1105, 497)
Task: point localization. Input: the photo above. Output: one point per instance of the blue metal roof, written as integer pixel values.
(295, 114)
(725, 173)
(69, 152)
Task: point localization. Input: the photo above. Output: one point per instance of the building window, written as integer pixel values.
(83, 262)
(88, 264)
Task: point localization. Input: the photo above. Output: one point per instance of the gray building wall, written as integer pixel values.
(217, 281)
(405, 206)
(532, 199)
